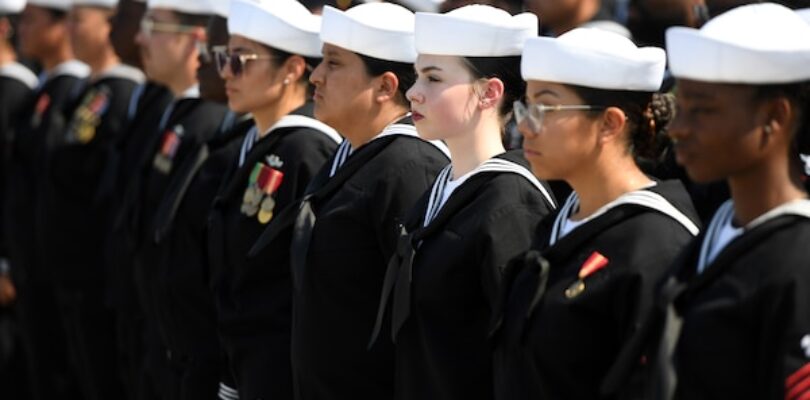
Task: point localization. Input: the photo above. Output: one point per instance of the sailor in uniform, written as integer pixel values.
(345, 227)
(574, 300)
(741, 294)
(480, 212)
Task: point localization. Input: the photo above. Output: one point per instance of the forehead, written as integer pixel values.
(161, 14)
(536, 89)
(445, 63)
(687, 89)
(241, 42)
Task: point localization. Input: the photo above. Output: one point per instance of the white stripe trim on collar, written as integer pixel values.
(19, 72)
(644, 198)
(294, 120)
(410, 130)
(73, 68)
(123, 71)
(435, 203)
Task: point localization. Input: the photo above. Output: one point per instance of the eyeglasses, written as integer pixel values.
(234, 61)
(149, 26)
(533, 114)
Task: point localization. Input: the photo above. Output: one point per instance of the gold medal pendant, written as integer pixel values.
(266, 211)
(575, 289)
(251, 200)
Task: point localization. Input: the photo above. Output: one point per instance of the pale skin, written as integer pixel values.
(89, 32)
(170, 58)
(7, 53)
(265, 89)
(588, 150)
(449, 104)
(348, 99)
(722, 131)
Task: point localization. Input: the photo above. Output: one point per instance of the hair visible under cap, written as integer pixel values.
(404, 72)
(280, 56)
(648, 117)
(799, 95)
(507, 69)
(200, 20)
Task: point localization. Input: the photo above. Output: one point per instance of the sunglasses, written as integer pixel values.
(235, 61)
(150, 26)
(534, 114)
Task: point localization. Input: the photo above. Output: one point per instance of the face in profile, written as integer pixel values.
(89, 30)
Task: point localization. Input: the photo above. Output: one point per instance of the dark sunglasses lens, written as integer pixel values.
(236, 65)
(221, 60)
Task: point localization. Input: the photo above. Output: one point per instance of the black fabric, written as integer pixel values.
(253, 295)
(746, 317)
(186, 317)
(553, 346)
(15, 99)
(342, 263)
(77, 214)
(40, 323)
(448, 281)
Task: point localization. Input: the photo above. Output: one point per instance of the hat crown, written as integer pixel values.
(764, 26)
(609, 44)
(283, 24)
(493, 16)
(11, 6)
(383, 16)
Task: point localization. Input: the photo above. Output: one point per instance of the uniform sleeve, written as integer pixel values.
(784, 351)
(395, 196)
(508, 233)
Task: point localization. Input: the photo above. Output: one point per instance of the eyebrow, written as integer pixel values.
(545, 91)
(429, 69)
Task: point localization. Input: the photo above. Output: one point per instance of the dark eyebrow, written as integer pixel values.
(545, 91)
(694, 95)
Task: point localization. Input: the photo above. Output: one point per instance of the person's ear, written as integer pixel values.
(293, 69)
(611, 125)
(386, 87)
(778, 116)
(490, 91)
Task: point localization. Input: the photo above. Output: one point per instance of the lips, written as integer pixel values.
(416, 116)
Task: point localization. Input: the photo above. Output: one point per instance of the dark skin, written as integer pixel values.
(212, 87)
(724, 131)
(125, 25)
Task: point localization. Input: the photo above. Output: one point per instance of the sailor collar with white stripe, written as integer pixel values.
(439, 197)
(724, 216)
(641, 197)
(287, 121)
(72, 68)
(396, 128)
(15, 70)
(122, 71)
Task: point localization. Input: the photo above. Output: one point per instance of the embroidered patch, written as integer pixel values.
(168, 149)
(87, 116)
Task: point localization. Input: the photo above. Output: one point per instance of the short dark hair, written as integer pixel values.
(280, 56)
(799, 95)
(648, 115)
(404, 72)
(507, 69)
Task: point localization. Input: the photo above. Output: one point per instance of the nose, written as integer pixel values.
(525, 130)
(316, 77)
(414, 95)
(678, 128)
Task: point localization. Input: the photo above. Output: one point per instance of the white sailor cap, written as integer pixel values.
(378, 30)
(804, 13)
(282, 24)
(11, 6)
(474, 31)
(594, 58)
(754, 44)
(62, 5)
(95, 3)
(221, 8)
(196, 7)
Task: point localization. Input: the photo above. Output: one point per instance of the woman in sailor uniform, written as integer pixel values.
(480, 212)
(345, 227)
(742, 291)
(576, 298)
(266, 69)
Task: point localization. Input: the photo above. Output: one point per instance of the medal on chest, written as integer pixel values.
(595, 262)
(87, 117)
(168, 149)
(39, 109)
(258, 199)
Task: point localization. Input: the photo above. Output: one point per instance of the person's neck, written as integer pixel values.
(763, 188)
(582, 15)
(361, 132)
(54, 58)
(603, 182)
(471, 149)
(181, 84)
(102, 63)
(7, 54)
(268, 116)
